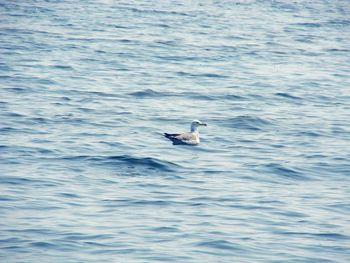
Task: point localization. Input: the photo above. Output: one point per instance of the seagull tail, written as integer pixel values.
(170, 135)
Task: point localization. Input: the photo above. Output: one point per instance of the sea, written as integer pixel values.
(87, 89)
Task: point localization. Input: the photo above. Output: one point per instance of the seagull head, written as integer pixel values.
(195, 124)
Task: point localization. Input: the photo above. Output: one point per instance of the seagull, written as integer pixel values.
(189, 138)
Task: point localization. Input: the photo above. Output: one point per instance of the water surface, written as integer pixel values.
(88, 88)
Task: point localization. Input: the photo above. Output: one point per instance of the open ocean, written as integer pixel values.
(89, 87)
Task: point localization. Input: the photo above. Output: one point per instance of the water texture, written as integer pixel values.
(88, 88)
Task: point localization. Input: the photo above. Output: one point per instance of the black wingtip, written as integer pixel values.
(170, 135)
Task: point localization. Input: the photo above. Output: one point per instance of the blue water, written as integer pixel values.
(88, 88)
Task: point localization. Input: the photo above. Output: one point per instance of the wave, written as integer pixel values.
(285, 172)
(328, 236)
(247, 123)
(287, 95)
(149, 93)
(309, 24)
(205, 75)
(128, 162)
(156, 12)
(219, 244)
(21, 181)
(330, 23)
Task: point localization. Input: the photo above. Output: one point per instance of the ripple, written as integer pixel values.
(205, 75)
(328, 236)
(88, 87)
(147, 93)
(44, 245)
(127, 161)
(283, 171)
(16, 180)
(221, 245)
(288, 96)
(310, 25)
(247, 123)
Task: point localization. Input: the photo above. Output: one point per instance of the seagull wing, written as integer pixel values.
(182, 138)
(187, 136)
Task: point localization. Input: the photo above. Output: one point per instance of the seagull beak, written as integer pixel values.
(203, 124)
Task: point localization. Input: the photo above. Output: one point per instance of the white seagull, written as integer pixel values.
(190, 138)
